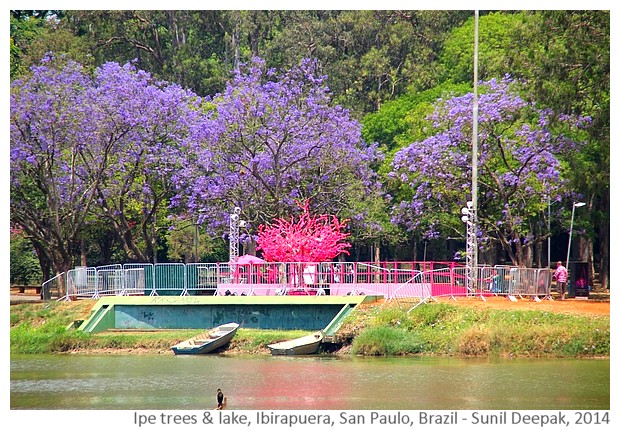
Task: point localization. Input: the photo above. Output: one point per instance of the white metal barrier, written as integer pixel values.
(330, 278)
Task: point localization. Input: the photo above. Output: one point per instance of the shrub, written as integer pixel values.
(382, 340)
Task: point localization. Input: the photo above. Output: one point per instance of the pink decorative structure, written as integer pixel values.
(310, 239)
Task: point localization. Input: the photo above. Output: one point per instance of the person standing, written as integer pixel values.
(561, 276)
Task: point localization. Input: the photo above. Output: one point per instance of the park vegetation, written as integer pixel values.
(430, 329)
(135, 133)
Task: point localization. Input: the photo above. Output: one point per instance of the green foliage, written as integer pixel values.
(403, 120)
(25, 267)
(498, 34)
(52, 336)
(445, 329)
(182, 244)
(383, 340)
(33, 36)
(378, 62)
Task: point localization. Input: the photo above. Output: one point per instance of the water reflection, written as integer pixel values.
(265, 382)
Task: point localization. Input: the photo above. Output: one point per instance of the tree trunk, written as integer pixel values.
(249, 247)
(377, 258)
(83, 261)
(603, 234)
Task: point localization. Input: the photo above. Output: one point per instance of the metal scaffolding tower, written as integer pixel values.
(471, 250)
(233, 236)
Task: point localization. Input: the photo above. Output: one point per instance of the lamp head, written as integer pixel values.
(579, 204)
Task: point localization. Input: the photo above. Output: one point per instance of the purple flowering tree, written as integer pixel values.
(149, 120)
(520, 169)
(268, 141)
(90, 147)
(55, 169)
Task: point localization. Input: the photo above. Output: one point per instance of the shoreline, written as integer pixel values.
(466, 328)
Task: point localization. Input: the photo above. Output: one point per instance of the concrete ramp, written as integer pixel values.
(330, 330)
(102, 319)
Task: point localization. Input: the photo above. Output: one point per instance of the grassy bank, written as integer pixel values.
(436, 328)
(38, 328)
(444, 329)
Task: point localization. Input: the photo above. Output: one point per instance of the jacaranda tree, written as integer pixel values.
(149, 119)
(86, 147)
(269, 140)
(520, 169)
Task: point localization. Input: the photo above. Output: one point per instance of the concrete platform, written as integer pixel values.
(184, 312)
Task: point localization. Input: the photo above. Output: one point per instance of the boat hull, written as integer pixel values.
(207, 342)
(303, 346)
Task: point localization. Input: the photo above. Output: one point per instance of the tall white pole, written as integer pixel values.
(549, 233)
(474, 157)
(570, 235)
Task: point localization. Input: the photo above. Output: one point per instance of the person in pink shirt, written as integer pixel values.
(561, 276)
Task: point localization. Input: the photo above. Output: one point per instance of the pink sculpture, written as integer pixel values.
(310, 239)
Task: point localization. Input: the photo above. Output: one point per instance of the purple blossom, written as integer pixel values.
(519, 163)
(270, 139)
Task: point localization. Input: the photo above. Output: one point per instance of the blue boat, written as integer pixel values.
(208, 341)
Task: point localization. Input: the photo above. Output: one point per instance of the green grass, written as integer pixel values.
(38, 328)
(433, 329)
(443, 329)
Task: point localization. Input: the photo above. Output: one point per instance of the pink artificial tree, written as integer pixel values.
(312, 238)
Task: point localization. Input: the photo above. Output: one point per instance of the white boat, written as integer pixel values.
(208, 341)
(301, 346)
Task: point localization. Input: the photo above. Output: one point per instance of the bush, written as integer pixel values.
(25, 268)
(382, 340)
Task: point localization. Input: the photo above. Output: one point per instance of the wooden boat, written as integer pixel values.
(302, 346)
(208, 341)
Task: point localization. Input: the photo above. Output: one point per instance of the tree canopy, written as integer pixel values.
(146, 121)
(519, 158)
(271, 139)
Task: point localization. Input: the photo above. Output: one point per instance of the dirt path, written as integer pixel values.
(598, 306)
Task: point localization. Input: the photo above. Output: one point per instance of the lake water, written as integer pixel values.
(140, 382)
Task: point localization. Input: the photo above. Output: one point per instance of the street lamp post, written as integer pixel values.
(469, 212)
(570, 233)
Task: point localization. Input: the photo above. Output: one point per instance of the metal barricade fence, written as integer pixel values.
(501, 284)
(149, 276)
(201, 278)
(110, 282)
(417, 286)
(531, 282)
(391, 280)
(169, 279)
(544, 282)
(51, 288)
(82, 282)
(134, 282)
